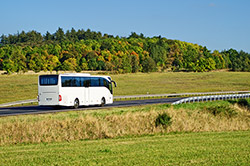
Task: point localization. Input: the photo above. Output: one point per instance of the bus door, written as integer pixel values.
(86, 95)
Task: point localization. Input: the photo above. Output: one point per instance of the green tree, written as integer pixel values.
(35, 62)
(53, 62)
(92, 60)
(59, 35)
(69, 64)
(19, 60)
(83, 64)
(148, 65)
(135, 63)
(48, 37)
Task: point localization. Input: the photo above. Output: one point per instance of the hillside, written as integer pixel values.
(89, 50)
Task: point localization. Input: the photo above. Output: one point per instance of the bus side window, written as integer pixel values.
(78, 81)
(86, 82)
(101, 80)
(83, 81)
(73, 82)
(66, 82)
(95, 82)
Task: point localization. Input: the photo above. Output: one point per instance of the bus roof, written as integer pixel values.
(75, 74)
(82, 75)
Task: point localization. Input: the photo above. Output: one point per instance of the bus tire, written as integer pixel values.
(76, 104)
(103, 102)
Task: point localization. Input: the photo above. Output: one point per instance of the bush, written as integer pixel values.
(222, 111)
(243, 103)
(163, 119)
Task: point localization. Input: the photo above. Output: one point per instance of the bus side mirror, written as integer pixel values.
(114, 83)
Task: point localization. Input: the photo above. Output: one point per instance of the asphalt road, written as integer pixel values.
(11, 111)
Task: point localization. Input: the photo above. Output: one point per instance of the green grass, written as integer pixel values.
(123, 122)
(206, 148)
(22, 87)
(17, 87)
(79, 137)
(159, 83)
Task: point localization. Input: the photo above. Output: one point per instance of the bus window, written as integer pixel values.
(95, 82)
(81, 81)
(47, 80)
(86, 82)
(101, 81)
(66, 81)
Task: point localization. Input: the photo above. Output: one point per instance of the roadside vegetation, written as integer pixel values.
(125, 122)
(213, 133)
(22, 87)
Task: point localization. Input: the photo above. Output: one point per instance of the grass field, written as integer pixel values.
(123, 122)
(206, 148)
(22, 87)
(199, 134)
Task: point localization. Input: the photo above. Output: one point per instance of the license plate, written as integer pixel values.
(48, 99)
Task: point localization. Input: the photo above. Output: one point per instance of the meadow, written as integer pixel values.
(212, 133)
(22, 87)
(124, 122)
(202, 148)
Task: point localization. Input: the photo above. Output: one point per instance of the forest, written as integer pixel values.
(89, 50)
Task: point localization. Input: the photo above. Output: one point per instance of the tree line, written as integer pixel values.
(89, 50)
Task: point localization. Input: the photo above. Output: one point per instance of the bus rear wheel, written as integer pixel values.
(103, 102)
(76, 103)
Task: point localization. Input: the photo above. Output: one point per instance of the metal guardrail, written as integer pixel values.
(18, 103)
(177, 95)
(212, 98)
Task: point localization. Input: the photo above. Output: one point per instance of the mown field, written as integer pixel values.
(22, 87)
(205, 148)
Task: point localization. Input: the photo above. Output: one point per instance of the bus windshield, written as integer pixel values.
(47, 80)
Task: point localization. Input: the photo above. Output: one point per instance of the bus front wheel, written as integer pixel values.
(76, 103)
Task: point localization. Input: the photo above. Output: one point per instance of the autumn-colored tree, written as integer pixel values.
(89, 50)
(69, 64)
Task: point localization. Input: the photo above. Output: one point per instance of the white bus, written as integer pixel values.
(74, 90)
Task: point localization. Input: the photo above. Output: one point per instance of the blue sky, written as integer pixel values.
(217, 24)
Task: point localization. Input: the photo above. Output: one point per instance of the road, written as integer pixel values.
(11, 111)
